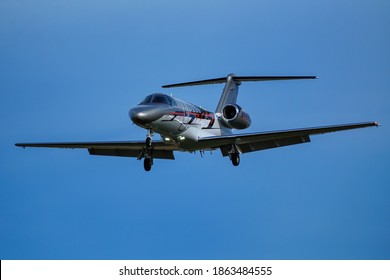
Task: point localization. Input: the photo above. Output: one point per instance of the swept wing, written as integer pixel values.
(247, 142)
(115, 148)
(250, 142)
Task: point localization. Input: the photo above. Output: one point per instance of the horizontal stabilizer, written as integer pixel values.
(239, 79)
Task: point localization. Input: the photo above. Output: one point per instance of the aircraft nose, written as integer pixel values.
(139, 117)
(144, 116)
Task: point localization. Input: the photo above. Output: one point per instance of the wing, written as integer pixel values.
(121, 149)
(251, 142)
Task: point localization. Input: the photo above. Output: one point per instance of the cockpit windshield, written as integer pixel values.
(146, 100)
(159, 99)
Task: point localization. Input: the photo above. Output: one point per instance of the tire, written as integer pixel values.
(147, 164)
(235, 159)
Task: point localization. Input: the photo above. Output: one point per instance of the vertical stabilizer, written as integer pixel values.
(229, 93)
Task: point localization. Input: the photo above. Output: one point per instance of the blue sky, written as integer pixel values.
(70, 70)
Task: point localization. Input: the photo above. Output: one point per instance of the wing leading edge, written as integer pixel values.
(250, 142)
(120, 149)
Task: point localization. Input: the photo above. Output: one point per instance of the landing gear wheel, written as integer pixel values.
(148, 142)
(235, 159)
(148, 162)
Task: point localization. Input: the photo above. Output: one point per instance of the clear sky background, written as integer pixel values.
(70, 71)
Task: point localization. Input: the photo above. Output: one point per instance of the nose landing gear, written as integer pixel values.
(148, 142)
(148, 161)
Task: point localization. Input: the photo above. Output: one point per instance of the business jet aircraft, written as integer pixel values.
(186, 127)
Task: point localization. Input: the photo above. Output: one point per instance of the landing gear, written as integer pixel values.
(148, 162)
(234, 154)
(148, 142)
(235, 158)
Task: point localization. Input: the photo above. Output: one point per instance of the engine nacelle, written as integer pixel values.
(234, 117)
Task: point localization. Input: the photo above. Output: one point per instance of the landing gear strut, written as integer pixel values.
(148, 161)
(148, 142)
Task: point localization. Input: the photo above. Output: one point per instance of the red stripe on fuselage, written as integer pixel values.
(193, 115)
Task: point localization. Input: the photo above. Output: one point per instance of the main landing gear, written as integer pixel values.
(234, 154)
(235, 158)
(148, 161)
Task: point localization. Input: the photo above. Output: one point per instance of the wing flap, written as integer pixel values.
(161, 154)
(269, 144)
(114, 152)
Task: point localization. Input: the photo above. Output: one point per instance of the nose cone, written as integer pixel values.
(144, 115)
(139, 117)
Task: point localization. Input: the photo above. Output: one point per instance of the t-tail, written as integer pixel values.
(230, 114)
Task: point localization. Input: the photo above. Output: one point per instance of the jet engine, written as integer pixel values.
(234, 117)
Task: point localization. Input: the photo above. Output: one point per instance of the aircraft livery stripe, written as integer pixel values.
(195, 115)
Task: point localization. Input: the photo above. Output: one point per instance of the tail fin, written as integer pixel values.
(230, 92)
